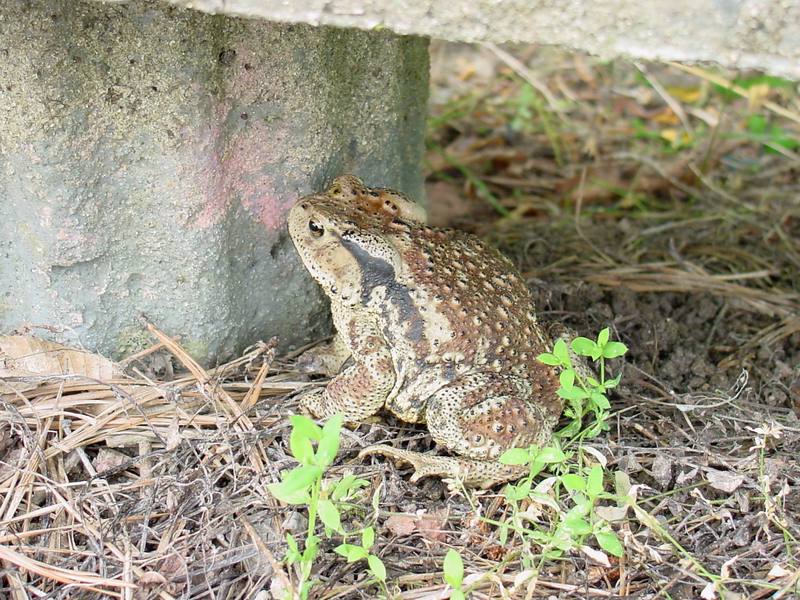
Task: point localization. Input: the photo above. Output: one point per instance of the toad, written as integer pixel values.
(431, 324)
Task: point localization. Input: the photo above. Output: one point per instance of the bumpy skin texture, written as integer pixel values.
(440, 328)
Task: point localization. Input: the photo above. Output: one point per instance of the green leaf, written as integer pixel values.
(585, 347)
(329, 444)
(583, 506)
(515, 493)
(293, 553)
(594, 483)
(457, 595)
(453, 569)
(367, 537)
(503, 532)
(300, 446)
(306, 427)
(609, 542)
(592, 382)
(614, 349)
(574, 393)
(515, 456)
(300, 478)
(567, 379)
(612, 383)
(550, 454)
(561, 352)
(573, 482)
(600, 400)
(329, 514)
(602, 337)
(549, 359)
(757, 124)
(569, 430)
(377, 567)
(312, 547)
(342, 487)
(351, 552)
(294, 486)
(577, 526)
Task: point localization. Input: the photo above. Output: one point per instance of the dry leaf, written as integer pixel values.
(431, 525)
(709, 592)
(685, 94)
(598, 556)
(174, 437)
(401, 525)
(27, 356)
(109, 459)
(757, 95)
(662, 471)
(724, 481)
(152, 578)
(777, 572)
(612, 514)
(686, 476)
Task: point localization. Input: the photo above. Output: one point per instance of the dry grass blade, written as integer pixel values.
(665, 277)
(92, 468)
(722, 81)
(75, 578)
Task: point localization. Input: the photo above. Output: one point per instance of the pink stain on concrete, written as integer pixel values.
(235, 164)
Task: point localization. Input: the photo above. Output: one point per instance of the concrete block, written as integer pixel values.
(148, 154)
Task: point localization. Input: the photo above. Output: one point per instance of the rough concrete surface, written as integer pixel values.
(763, 34)
(148, 154)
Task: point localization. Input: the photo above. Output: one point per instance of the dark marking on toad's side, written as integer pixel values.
(376, 272)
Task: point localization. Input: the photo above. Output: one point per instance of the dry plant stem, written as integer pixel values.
(666, 277)
(233, 411)
(726, 83)
(526, 74)
(671, 102)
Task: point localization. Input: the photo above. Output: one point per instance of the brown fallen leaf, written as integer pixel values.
(401, 525)
(29, 356)
(724, 481)
(429, 525)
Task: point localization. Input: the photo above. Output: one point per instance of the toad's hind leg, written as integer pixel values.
(478, 418)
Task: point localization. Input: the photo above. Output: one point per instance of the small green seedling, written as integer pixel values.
(315, 448)
(581, 390)
(353, 553)
(573, 491)
(453, 572)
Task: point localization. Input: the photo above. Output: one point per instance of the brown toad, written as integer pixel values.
(440, 328)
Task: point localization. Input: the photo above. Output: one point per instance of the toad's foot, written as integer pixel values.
(473, 473)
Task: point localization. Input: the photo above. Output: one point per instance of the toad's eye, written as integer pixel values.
(316, 229)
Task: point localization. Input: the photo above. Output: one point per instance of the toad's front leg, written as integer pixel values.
(361, 389)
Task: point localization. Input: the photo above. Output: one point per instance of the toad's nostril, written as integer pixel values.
(304, 206)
